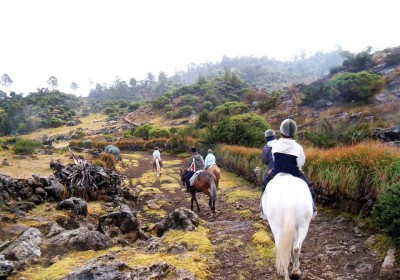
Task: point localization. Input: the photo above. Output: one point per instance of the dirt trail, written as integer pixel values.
(333, 249)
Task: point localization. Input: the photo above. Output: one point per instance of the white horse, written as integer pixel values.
(158, 167)
(287, 204)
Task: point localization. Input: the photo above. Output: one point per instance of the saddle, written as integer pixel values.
(191, 180)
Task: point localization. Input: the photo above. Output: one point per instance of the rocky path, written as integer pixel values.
(334, 248)
(231, 244)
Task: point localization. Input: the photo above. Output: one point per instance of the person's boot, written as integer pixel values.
(187, 186)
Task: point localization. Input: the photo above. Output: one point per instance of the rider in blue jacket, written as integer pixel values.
(266, 155)
(288, 157)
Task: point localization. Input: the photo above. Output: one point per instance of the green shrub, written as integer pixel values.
(386, 211)
(56, 122)
(229, 109)
(328, 135)
(271, 101)
(161, 102)
(203, 119)
(245, 130)
(357, 62)
(316, 91)
(356, 87)
(143, 131)
(87, 143)
(184, 111)
(99, 162)
(25, 146)
(111, 149)
(133, 106)
(159, 132)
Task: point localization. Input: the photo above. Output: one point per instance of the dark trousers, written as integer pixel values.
(299, 174)
(189, 175)
(187, 178)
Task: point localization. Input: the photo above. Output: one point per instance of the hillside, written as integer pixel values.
(382, 111)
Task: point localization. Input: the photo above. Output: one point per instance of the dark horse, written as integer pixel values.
(205, 183)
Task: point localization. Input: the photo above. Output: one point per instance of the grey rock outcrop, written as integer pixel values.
(81, 239)
(181, 218)
(25, 248)
(6, 267)
(124, 220)
(77, 205)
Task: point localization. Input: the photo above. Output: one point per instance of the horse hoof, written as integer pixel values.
(294, 276)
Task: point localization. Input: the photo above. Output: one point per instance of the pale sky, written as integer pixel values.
(78, 40)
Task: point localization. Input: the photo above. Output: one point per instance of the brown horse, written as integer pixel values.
(214, 169)
(205, 183)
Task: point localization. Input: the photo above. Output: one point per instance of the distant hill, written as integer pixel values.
(317, 105)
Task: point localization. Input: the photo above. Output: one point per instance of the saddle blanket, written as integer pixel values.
(191, 180)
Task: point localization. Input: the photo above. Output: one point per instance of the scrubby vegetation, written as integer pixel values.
(25, 146)
(20, 115)
(386, 212)
(329, 135)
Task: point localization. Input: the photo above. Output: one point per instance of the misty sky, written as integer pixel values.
(78, 40)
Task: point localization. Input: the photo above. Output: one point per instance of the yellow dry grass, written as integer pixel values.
(24, 168)
(93, 122)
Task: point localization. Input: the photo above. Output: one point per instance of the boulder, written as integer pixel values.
(26, 247)
(181, 218)
(6, 267)
(124, 221)
(77, 205)
(81, 239)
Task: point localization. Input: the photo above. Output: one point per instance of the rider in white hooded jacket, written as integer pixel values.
(288, 157)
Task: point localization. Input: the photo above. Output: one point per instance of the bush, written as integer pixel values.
(356, 87)
(229, 109)
(99, 162)
(161, 102)
(316, 91)
(159, 132)
(328, 135)
(25, 146)
(87, 143)
(184, 111)
(386, 212)
(143, 131)
(56, 122)
(111, 149)
(357, 62)
(245, 130)
(108, 159)
(270, 101)
(203, 119)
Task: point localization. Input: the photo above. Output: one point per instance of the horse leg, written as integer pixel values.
(195, 199)
(296, 272)
(300, 236)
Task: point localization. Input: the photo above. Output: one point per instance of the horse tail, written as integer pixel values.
(213, 191)
(284, 245)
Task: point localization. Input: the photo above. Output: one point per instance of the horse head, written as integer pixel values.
(183, 173)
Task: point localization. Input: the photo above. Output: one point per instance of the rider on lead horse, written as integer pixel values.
(289, 157)
(196, 162)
